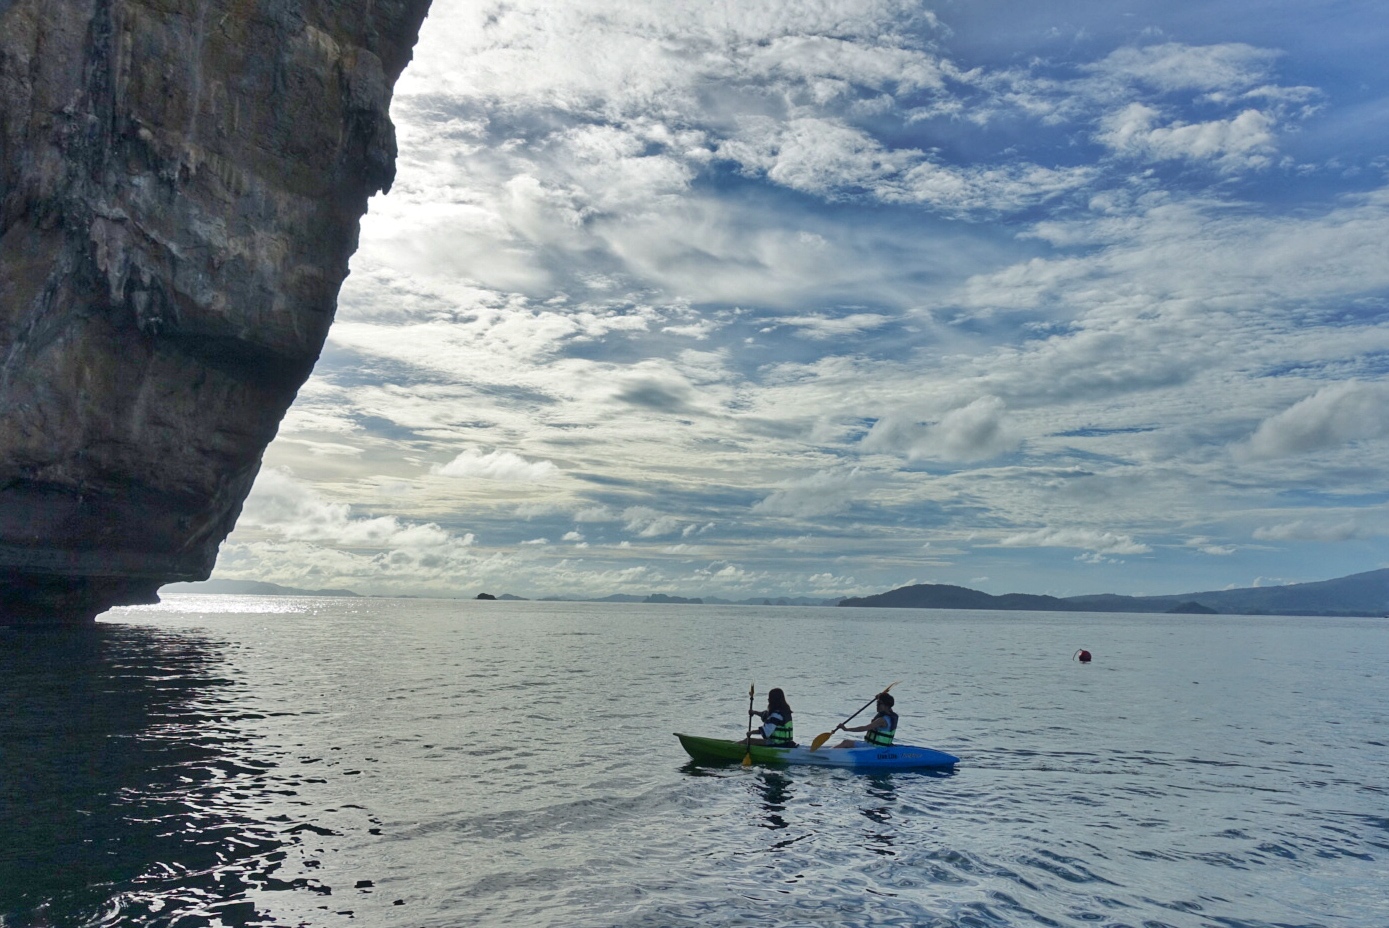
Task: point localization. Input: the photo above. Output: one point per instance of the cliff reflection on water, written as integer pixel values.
(123, 794)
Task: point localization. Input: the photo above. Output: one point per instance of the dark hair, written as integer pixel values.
(776, 701)
(886, 699)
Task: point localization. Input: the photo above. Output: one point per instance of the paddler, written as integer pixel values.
(776, 722)
(880, 731)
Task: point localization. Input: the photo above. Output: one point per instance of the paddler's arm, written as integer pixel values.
(875, 724)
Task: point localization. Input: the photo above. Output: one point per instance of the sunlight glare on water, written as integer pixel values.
(258, 760)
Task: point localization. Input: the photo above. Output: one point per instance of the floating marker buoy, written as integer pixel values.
(1083, 656)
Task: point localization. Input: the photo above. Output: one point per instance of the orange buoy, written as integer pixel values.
(1083, 656)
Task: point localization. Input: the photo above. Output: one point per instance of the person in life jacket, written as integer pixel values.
(879, 732)
(776, 722)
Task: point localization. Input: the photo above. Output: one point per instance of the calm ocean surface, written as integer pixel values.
(246, 761)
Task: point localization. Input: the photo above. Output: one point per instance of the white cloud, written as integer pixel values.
(1095, 541)
(1001, 188)
(503, 466)
(322, 448)
(816, 155)
(283, 509)
(1173, 67)
(973, 432)
(1240, 142)
(303, 418)
(821, 494)
(1333, 416)
(1319, 530)
(831, 67)
(824, 328)
(833, 159)
(648, 523)
(641, 56)
(1207, 546)
(979, 430)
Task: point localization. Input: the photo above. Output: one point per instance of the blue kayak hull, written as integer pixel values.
(897, 757)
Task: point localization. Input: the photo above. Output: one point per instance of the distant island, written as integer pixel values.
(1364, 594)
(246, 588)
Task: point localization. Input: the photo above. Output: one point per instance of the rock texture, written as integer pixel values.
(181, 183)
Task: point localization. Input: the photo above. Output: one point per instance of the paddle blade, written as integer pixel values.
(820, 740)
(747, 759)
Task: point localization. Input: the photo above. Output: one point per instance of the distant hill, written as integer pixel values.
(1191, 609)
(245, 588)
(1365, 594)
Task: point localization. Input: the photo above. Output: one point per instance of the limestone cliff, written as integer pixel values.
(181, 183)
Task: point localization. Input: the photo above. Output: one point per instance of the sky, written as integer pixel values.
(821, 299)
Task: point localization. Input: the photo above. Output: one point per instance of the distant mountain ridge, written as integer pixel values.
(246, 588)
(1363, 594)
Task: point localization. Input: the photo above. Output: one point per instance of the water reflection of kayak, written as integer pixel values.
(896, 757)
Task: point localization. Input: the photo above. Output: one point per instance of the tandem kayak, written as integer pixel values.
(896, 757)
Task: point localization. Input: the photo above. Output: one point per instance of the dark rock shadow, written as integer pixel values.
(119, 761)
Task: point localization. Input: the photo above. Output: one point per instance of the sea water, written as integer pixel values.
(289, 761)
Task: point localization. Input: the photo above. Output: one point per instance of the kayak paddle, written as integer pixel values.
(822, 738)
(747, 758)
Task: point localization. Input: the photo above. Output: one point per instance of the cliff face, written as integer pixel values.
(180, 188)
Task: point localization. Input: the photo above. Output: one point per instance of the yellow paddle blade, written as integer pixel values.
(747, 759)
(820, 740)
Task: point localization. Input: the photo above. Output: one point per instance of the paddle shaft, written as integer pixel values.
(821, 739)
(747, 757)
(856, 714)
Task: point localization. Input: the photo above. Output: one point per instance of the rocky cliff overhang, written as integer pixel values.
(181, 183)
